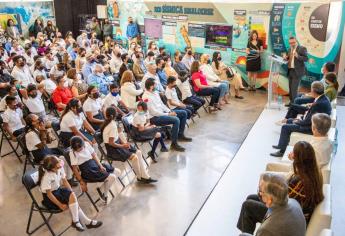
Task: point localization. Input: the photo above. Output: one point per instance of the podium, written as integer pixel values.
(274, 100)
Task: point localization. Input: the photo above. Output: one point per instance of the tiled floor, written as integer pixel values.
(185, 181)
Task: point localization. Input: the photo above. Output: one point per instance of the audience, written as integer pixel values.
(21, 71)
(12, 117)
(129, 91)
(93, 107)
(62, 94)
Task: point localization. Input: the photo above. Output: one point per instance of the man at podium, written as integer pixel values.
(296, 56)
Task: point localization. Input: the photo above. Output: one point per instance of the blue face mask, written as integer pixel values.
(114, 94)
(142, 112)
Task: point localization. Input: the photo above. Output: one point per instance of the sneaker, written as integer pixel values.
(238, 97)
(164, 149)
(185, 139)
(78, 226)
(152, 155)
(177, 147)
(94, 224)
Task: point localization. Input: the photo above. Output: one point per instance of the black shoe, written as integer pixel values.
(279, 153)
(72, 182)
(149, 180)
(184, 138)
(94, 224)
(276, 147)
(238, 97)
(164, 149)
(152, 155)
(177, 147)
(78, 226)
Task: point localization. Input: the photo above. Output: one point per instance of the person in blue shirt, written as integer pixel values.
(132, 30)
(160, 71)
(97, 78)
(89, 65)
(73, 51)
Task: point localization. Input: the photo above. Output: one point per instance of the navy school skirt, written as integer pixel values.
(61, 194)
(119, 154)
(39, 154)
(147, 134)
(90, 171)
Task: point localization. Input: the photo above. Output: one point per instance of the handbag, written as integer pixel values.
(230, 73)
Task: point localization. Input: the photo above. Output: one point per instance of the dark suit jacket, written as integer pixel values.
(322, 105)
(300, 60)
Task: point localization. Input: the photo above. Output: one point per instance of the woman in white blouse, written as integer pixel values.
(213, 79)
(80, 60)
(93, 107)
(74, 123)
(129, 92)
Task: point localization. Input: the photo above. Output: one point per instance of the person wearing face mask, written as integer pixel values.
(32, 98)
(139, 68)
(39, 69)
(129, 91)
(132, 31)
(5, 79)
(17, 48)
(93, 108)
(12, 30)
(62, 94)
(50, 30)
(29, 57)
(98, 79)
(12, 118)
(50, 61)
(21, 72)
(74, 123)
(114, 99)
(89, 65)
(150, 57)
(11, 90)
(115, 61)
(78, 86)
(332, 86)
(152, 73)
(152, 47)
(80, 60)
(126, 64)
(57, 70)
(161, 72)
(188, 58)
(131, 49)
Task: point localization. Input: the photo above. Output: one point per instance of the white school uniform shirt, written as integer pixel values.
(110, 100)
(55, 72)
(23, 75)
(140, 119)
(110, 132)
(50, 64)
(35, 105)
(92, 105)
(155, 106)
(78, 158)
(13, 119)
(172, 94)
(51, 180)
(29, 59)
(70, 120)
(3, 105)
(31, 140)
(185, 89)
(187, 61)
(49, 85)
(323, 150)
(115, 64)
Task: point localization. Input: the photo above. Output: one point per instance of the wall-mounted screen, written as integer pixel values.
(219, 35)
(153, 28)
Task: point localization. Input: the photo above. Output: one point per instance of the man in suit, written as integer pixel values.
(282, 216)
(303, 125)
(296, 57)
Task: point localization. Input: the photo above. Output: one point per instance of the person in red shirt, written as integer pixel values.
(201, 87)
(62, 94)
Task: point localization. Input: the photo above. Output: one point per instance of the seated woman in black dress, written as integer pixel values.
(119, 150)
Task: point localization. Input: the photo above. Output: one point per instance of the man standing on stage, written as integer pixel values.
(296, 57)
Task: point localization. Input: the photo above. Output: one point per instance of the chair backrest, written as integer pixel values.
(98, 137)
(30, 179)
(22, 143)
(56, 126)
(127, 123)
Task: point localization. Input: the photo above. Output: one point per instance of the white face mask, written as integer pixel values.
(79, 77)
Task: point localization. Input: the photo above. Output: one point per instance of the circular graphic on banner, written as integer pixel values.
(318, 22)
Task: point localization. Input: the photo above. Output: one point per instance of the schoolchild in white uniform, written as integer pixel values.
(114, 99)
(93, 108)
(13, 118)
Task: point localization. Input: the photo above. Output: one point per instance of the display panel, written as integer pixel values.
(153, 28)
(219, 35)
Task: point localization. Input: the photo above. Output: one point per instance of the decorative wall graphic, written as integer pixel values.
(196, 30)
(240, 29)
(219, 35)
(153, 28)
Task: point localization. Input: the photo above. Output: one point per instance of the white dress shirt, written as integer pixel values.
(23, 75)
(171, 94)
(211, 77)
(184, 88)
(188, 60)
(155, 105)
(129, 94)
(159, 86)
(323, 150)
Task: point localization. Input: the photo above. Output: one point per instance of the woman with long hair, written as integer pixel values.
(253, 65)
(129, 91)
(332, 87)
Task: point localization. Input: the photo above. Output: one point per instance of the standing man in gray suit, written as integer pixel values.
(296, 56)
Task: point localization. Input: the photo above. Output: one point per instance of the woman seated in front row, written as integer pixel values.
(119, 150)
(305, 186)
(73, 122)
(93, 106)
(87, 167)
(58, 194)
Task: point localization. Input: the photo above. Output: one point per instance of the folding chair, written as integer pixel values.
(179, 95)
(205, 97)
(30, 180)
(7, 136)
(56, 128)
(29, 158)
(99, 140)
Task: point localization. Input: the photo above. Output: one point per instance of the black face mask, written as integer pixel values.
(118, 55)
(131, 22)
(130, 61)
(79, 110)
(208, 61)
(33, 95)
(180, 58)
(163, 65)
(189, 53)
(21, 64)
(219, 58)
(95, 95)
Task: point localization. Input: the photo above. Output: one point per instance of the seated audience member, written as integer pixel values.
(87, 167)
(168, 69)
(323, 147)
(152, 73)
(48, 84)
(5, 79)
(302, 125)
(115, 61)
(80, 60)
(152, 47)
(161, 72)
(36, 139)
(143, 129)
(307, 98)
(28, 55)
(98, 79)
(74, 123)
(50, 61)
(332, 86)
(279, 214)
(305, 186)
(129, 91)
(11, 91)
(89, 65)
(179, 66)
(174, 102)
(139, 68)
(224, 73)
(131, 48)
(13, 118)
(32, 98)
(21, 72)
(58, 194)
(161, 115)
(188, 58)
(39, 69)
(126, 60)
(162, 52)
(93, 107)
(78, 86)
(213, 79)
(57, 70)
(150, 58)
(62, 94)
(114, 99)
(202, 88)
(118, 149)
